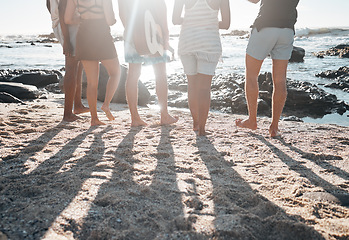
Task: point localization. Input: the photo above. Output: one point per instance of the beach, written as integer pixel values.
(63, 180)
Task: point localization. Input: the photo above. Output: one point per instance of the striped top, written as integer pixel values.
(200, 32)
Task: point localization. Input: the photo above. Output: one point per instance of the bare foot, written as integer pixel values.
(80, 109)
(168, 119)
(96, 122)
(246, 124)
(203, 132)
(108, 113)
(274, 132)
(138, 123)
(70, 118)
(195, 126)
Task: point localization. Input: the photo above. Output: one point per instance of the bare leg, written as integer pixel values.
(69, 88)
(133, 75)
(279, 94)
(253, 67)
(204, 100)
(113, 68)
(92, 74)
(193, 99)
(78, 106)
(162, 93)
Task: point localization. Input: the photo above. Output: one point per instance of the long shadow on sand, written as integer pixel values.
(127, 208)
(319, 159)
(31, 209)
(11, 162)
(241, 212)
(305, 172)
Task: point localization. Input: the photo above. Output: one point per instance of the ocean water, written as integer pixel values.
(17, 52)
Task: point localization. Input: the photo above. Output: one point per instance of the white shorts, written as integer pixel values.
(278, 42)
(193, 65)
(73, 31)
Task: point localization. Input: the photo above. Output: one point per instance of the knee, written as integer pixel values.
(92, 83)
(114, 73)
(280, 88)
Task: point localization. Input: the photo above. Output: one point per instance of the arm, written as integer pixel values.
(225, 13)
(69, 16)
(109, 12)
(123, 11)
(177, 12)
(254, 1)
(48, 5)
(161, 13)
(67, 47)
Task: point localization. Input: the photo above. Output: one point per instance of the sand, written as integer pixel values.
(72, 181)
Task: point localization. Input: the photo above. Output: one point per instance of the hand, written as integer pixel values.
(67, 49)
(166, 42)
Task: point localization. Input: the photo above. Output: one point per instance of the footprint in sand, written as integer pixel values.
(39, 107)
(17, 119)
(22, 111)
(25, 131)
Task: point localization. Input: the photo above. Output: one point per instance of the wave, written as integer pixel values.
(306, 32)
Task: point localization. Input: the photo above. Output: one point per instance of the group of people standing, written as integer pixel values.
(83, 28)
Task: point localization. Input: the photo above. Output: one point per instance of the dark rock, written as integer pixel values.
(8, 98)
(341, 72)
(343, 85)
(7, 75)
(341, 50)
(37, 79)
(239, 33)
(292, 119)
(120, 94)
(19, 90)
(227, 95)
(340, 78)
(298, 54)
(54, 88)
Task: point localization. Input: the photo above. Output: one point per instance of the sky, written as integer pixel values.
(31, 16)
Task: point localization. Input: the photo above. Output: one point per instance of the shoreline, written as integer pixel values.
(72, 181)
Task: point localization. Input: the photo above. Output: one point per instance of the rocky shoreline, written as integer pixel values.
(304, 99)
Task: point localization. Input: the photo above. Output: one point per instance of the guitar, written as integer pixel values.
(148, 37)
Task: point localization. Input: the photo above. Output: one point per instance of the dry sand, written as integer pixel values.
(70, 181)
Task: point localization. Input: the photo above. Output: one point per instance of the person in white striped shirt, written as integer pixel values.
(200, 50)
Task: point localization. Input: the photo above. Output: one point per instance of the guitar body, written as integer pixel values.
(148, 35)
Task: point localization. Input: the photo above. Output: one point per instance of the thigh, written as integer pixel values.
(279, 70)
(205, 81)
(160, 70)
(253, 67)
(112, 66)
(71, 64)
(92, 70)
(134, 72)
(73, 31)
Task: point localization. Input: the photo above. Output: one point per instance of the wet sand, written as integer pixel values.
(72, 181)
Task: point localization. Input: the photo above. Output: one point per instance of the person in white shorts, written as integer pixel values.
(200, 49)
(272, 33)
(66, 35)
